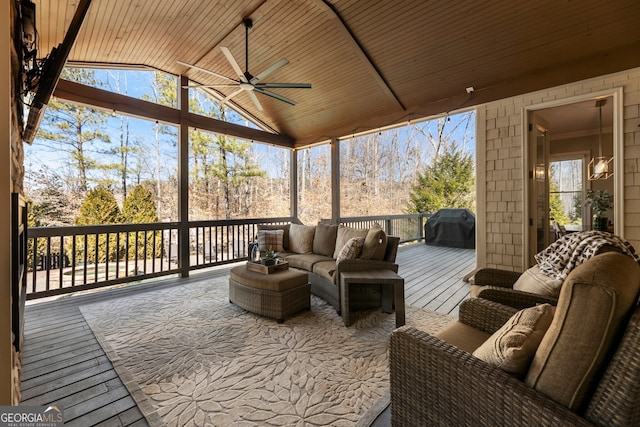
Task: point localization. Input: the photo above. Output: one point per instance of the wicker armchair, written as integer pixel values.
(497, 285)
(435, 383)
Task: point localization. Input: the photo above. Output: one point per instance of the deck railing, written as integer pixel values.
(409, 227)
(62, 260)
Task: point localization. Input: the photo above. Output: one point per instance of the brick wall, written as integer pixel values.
(504, 205)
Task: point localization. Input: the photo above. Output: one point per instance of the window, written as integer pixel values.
(566, 190)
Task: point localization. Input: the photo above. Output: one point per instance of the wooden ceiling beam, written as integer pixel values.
(110, 101)
(349, 37)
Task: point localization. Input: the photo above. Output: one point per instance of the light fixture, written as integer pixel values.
(599, 166)
(540, 172)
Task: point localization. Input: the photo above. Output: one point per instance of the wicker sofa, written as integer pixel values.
(314, 249)
(585, 371)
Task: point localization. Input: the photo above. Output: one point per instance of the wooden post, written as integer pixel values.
(335, 180)
(293, 184)
(183, 177)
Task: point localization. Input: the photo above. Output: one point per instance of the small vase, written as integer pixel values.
(600, 223)
(255, 253)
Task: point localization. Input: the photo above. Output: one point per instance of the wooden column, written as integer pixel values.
(335, 180)
(293, 184)
(183, 177)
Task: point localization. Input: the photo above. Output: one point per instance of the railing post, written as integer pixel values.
(183, 176)
(389, 227)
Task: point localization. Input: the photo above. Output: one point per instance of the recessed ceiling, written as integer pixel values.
(371, 63)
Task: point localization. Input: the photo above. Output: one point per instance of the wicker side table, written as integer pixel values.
(392, 291)
(277, 295)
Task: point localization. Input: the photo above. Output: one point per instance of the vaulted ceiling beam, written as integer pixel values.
(110, 101)
(349, 37)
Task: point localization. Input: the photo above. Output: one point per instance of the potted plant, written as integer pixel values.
(269, 257)
(600, 201)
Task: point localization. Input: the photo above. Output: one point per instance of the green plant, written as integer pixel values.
(600, 201)
(269, 257)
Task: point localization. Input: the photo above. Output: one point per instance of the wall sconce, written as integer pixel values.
(599, 167)
(540, 172)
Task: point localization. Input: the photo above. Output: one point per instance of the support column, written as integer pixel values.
(293, 184)
(6, 81)
(335, 180)
(183, 178)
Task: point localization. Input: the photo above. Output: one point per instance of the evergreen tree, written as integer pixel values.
(71, 128)
(556, 207)
(139, 208)
(448, 183)
(99, 207)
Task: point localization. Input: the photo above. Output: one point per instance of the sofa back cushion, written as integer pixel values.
(343, 236)
(375, 244)
(301, 238)
(283, 227)
(324, 239)
(594, 304)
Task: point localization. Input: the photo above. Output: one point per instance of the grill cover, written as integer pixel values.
(454, 228)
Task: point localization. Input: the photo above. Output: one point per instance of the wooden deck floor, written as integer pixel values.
(64, 365)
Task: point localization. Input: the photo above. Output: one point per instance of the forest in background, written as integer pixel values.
(419, 167)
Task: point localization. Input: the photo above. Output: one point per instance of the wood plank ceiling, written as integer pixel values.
(372, 63)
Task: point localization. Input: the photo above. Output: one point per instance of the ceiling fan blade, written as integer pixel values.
(284, 85)
(255, 100)
(213, 85)
(204, 70)
(234, 64)
(228, 97)
(274, 95)
(269, 70)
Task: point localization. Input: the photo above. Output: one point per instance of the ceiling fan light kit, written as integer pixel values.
(246, 82)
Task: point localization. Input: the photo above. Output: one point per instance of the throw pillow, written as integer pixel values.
(283, 227)
(375, 244)
(343, 236)
(301, 238)
(270, 239)
(351, 249)
(512, 347)
(324, 240)
(535, 281)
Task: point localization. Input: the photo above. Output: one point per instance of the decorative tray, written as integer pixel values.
(267, 269)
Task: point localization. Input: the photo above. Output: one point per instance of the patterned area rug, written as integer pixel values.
(189, 357)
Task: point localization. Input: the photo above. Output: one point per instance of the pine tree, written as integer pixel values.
(99, 207)
(72, 128)
(139, 208)
(448, 183)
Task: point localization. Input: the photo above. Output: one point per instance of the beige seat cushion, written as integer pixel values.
(535, 281)
(512, 347)
(306, 261)
(464, 337)
(375, 243)
(344, 234)
(301, 238)
(324, 239)
(594, 302)
(325, 269)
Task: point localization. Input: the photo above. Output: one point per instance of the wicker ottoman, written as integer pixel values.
(277, 295)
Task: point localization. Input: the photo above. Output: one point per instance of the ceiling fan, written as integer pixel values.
(246, 82)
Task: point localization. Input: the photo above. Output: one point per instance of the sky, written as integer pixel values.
(138, 84)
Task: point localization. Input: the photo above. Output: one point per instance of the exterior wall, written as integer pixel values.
(502, 143)
(11, 179)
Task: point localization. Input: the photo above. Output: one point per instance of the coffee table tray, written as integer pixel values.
(267, 269)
